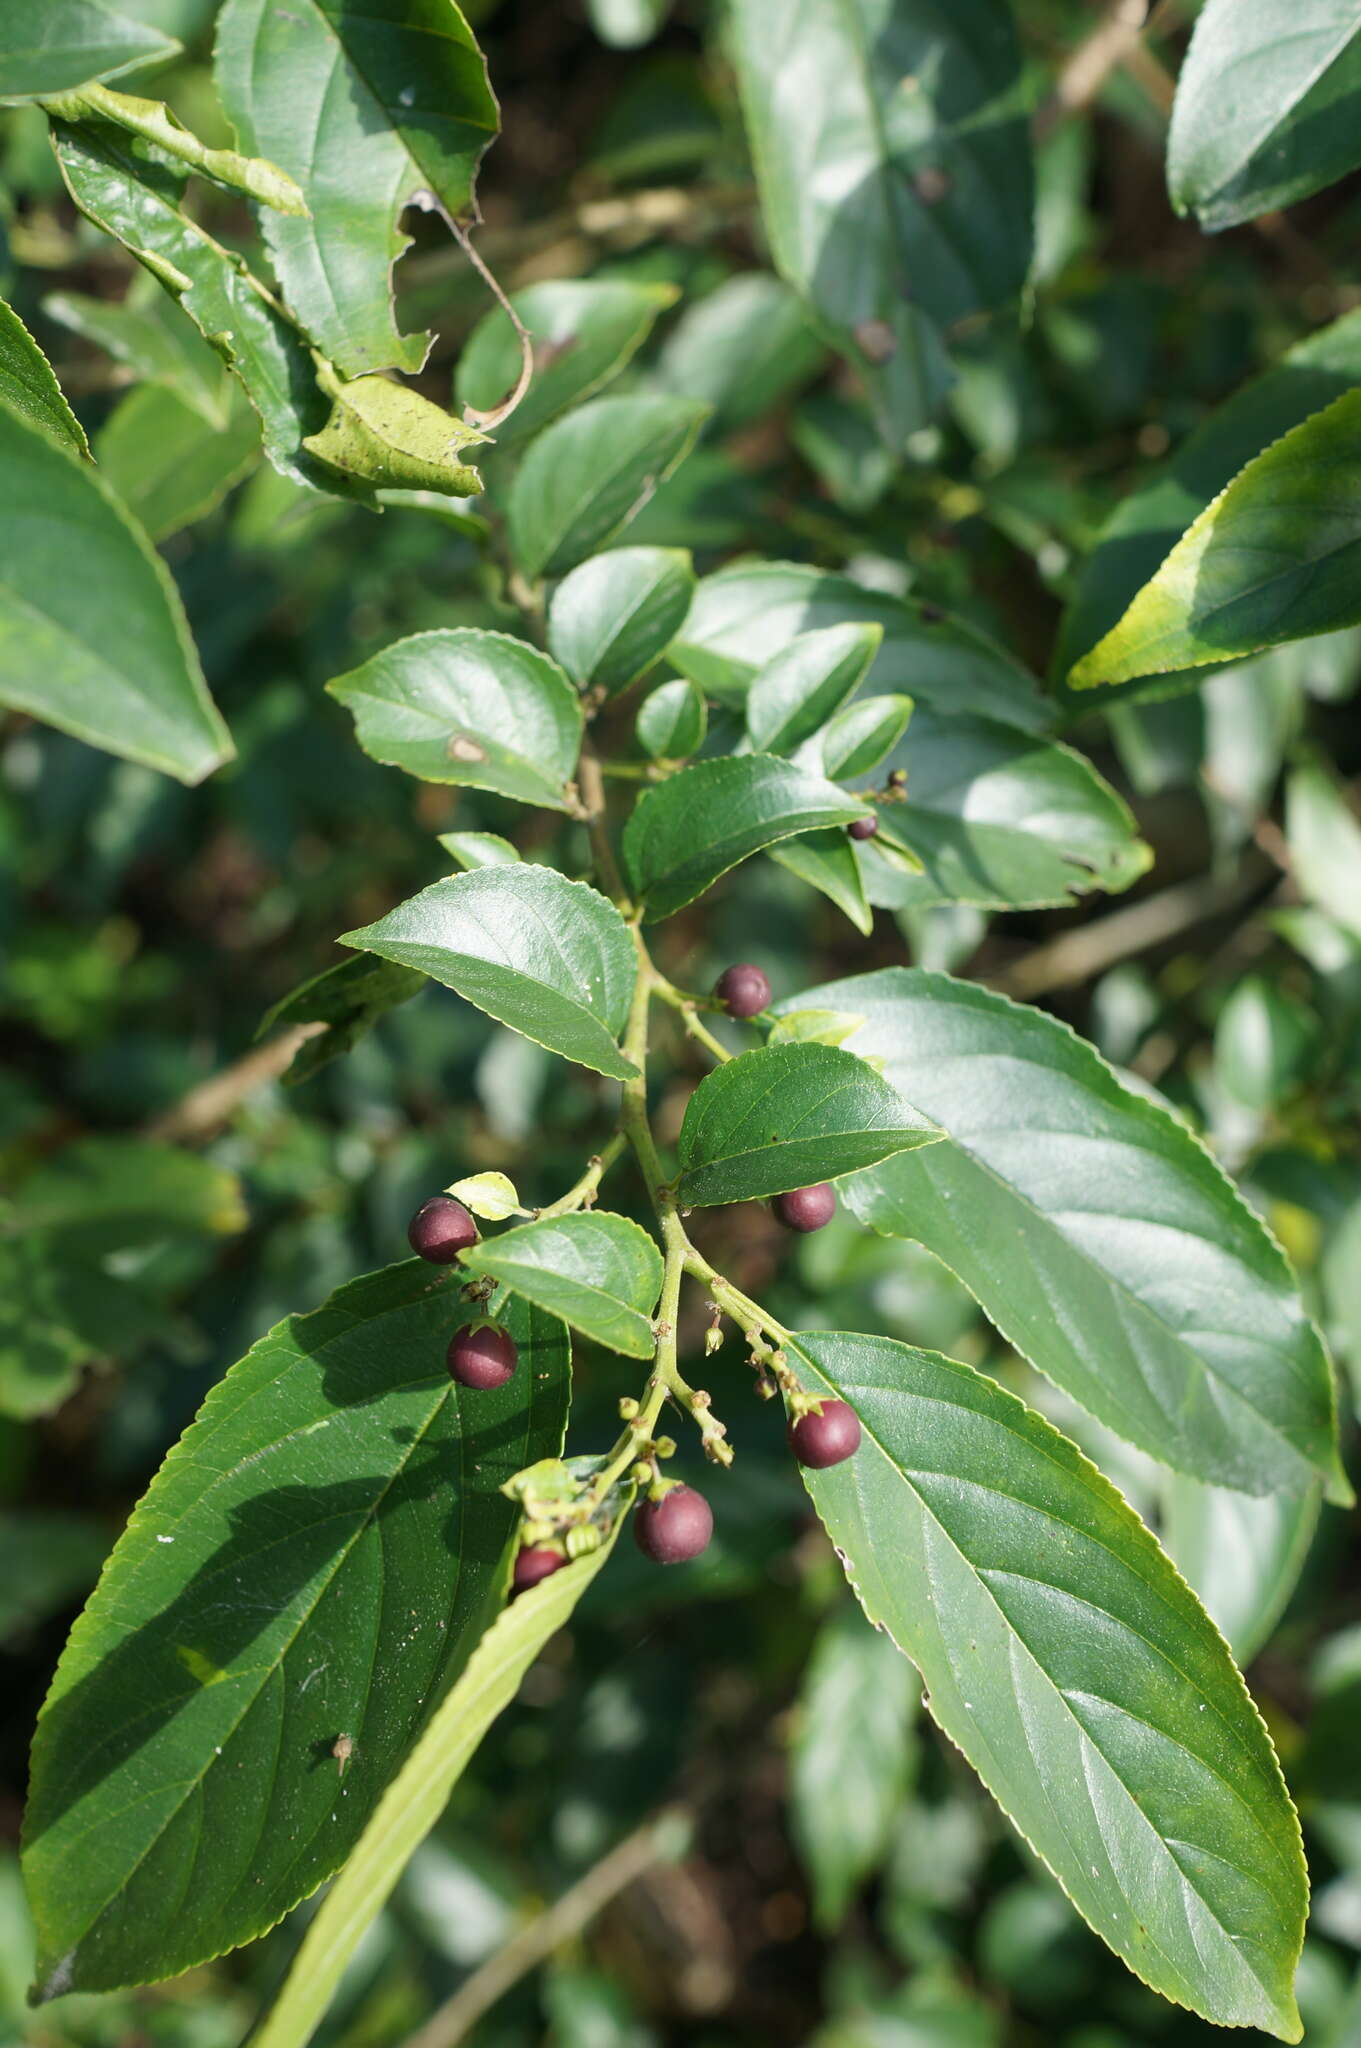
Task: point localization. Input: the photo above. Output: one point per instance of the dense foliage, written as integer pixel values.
(593, 603)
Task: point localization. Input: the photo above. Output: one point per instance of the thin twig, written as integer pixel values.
(1114, 41)
(661, 1839)
(595, 813)
(211, 1103)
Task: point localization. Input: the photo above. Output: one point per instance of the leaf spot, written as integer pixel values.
(461, 748)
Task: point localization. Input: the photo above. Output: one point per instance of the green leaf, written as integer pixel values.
(130, 1191)
(742, 348)
(1263, 1042)
(582, 480)
(873, 190)
(830, 862)
(802, 686)
(418, 1795)
(384, 435)
(1325, 844)
(696, 825)
(549, 957)
(1075, 1670)
(55, 45)
(149, 337)
(167, 464)
(610, 620)
(459, 705)
(491, 1196)
(1000, 820)
(600, 1273)
(1268, 108)
(346, 1000)
(850, 1758)
(1242, 1553)
(478, 849)
(787, 1116)
(744, 615)
(1273, 558)
(318, 1556)
(672, 721)
(134, 193)
(583, 330)
(28, 385)
(861, 735)
(105, 655)
(366, 110)
(1146, 525)
(1097, 1233)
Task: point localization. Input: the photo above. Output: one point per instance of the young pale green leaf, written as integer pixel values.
(787, 1116)
(1243, 1553)
(830, 862)
(56, 45)
(28, 384)
(418, 1796)
(672, 721)
(105, 655)
(600, 1273)
(807, 682)
(1325, 844)
(134, 193)
(317, 1557)
(1268, 108)
(999, 819)
(1074, 1669)
(861, 735)
(850, 1759)
(583, 332)
(383, 435)
(366, 110)
(742, 348)
(1096, 1231)
(611, 619)
(346, 1002)
(551, 958)
(814, 1027)
(478, 849)
(1273, 558)
(1147, 524)
(147, 335)
(167, 464)
(743, 615)
(696, 825)
(491, 1196)
(460, 705)
(584, 478)
(871, 190)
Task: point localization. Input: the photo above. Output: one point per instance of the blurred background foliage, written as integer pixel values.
(824, 1869)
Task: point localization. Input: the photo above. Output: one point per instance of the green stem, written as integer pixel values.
(254, 175)
(595, 814)
(582, 1193)
(687, 1010)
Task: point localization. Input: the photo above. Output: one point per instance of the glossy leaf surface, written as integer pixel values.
(364, 108)
(786, 1116)
(106, 656)
(1097, 1233)
(549, 957)
(28, 384)
(583, 332)
(598, 1272)
(802, 686)
(583, 479)
(862, 735)
(830, 863)
(672, 721)
(683, 835)
(459, 705)
(1074, 1669)
(611, 619)
(51, 46)
(318, 1556)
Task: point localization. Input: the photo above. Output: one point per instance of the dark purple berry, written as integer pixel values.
(743, 990)
(806, 1208)
(482, 1355)
(675, 1528)
(827, 1438)
(440, 1229)
(863, 828)
(532, 1565)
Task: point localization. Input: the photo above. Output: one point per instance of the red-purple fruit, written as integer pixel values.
(482, 1355)
(440, 1229)
(533, 1564)
(675, 1528)
(820, 1439)
(743, 990)
(805, 1209)
(863, 828)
